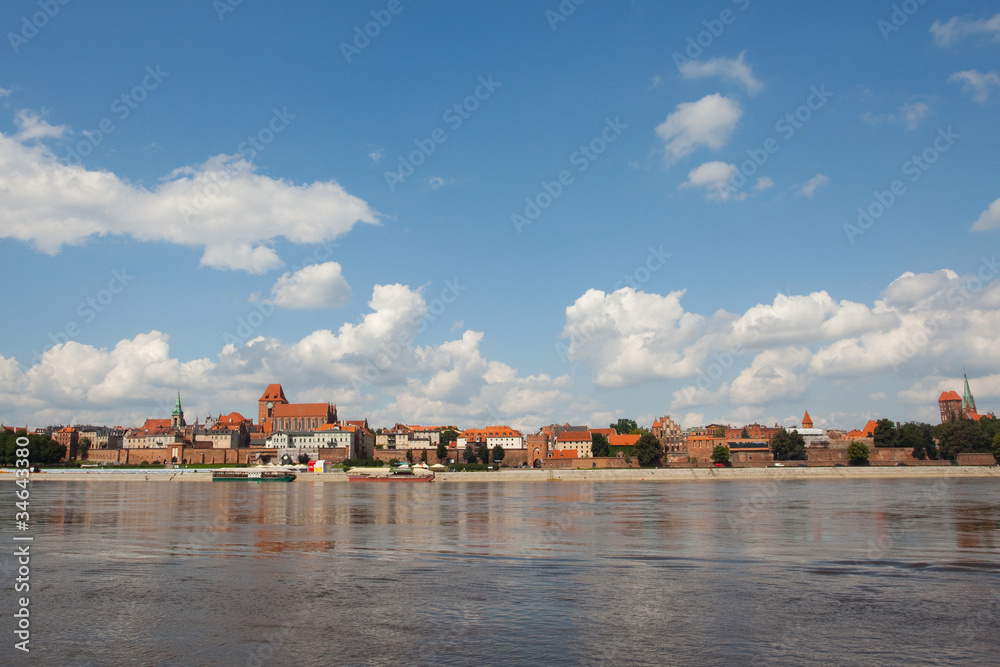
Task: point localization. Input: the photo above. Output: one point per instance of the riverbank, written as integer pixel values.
(535, 475)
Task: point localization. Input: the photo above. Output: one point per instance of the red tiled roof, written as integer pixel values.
(565, 453)
(606, 432)
(155, 424)
(949, 396)
(624, 440)
(274, 393)
(574, 436)
(300, 410)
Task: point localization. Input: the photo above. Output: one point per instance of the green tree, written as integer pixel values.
(470, 454)
(483, 452)
(41, 449)
(959, 437)
(442, 450)
(744, 435)
(917, 437)
(885, 433)
(409, 456)
(857, 452)
(719, 432)
(449, 435)
(303, 458)
(720, 454)
(787, 446)
(423, 456)
(599, 445)
(498, 454)
(648, 450)
(996, 446)
(83, 449)
(624, 426)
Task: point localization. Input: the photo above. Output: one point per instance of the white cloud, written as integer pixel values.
(772, 376)
(315, 286)
(715, 178)
(4, 92)
(437, 182)
(655, 82)
(377, 155)
(909, 114)
(958, 27)
(222, 206)
(990, 218)
(977, 84)
(763, 183)
(809, 188)
(727, 68)
(32, 127)
(708, 122)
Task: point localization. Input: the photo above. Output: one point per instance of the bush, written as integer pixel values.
(720, 454)
(857, 452)
(363, 463)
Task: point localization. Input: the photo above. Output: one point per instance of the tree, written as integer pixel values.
(442, 450)
(917, 437)
(84, 448)
(857, 452)
(744, 435)
(719, 432)
(498, 454)
(470, 454)
(624, 426)
(885, 433)
(423, 456)
(788, 446)
(648, 450)
(483, 452)
(448, 436)
(960, 437)
(720, 454)
(303, 458)
(409, 456)
(996, 446)
(41, 449)
(599, 445)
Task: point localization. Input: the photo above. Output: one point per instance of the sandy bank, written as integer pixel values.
(616, 475)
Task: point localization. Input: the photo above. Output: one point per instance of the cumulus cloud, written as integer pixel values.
(315, 286)
(773, 375)
(727, 68)
(958, 27)
(977, 84)
(222, 206)
(909, 114)
(32, 127)
(809, 188)
(990, 218)
(715, 178)
(708, 122)
(763, 183)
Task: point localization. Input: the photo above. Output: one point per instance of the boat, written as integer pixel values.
(401, 473)
(253, 475)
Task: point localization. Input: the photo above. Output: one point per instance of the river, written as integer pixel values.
(865, 572)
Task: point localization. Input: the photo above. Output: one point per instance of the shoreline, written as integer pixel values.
(542, 475)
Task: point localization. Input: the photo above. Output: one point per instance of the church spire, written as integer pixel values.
(968, 402)
(177, 416)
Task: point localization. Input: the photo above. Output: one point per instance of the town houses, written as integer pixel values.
(286, 430)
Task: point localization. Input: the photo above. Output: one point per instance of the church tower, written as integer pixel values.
(968, 402)
(807, 421)
(177, 417)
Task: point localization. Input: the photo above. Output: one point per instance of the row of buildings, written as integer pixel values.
(315, 429)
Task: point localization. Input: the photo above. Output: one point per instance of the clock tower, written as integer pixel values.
(273, 395)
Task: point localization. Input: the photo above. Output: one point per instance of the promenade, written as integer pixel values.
(536, 475)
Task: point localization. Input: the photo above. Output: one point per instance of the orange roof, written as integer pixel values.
(624, 440)
(606, 432)
(869, 429)
(949, 396)
(274, 393)
(806, 420)
(656, 423)
(493, 432)
(565, 453)
(70, 429)
(156, 424)
(301, 410)
(574, 436)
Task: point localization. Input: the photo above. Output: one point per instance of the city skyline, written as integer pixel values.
(557, 213)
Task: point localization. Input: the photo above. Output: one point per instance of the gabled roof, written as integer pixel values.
(606, 432)
(949, 396)
(301, 410)
(274, 392)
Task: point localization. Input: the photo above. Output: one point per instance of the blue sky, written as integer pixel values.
(285, 201)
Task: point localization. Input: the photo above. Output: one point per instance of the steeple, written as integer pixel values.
(807, 421)
(968, 402)
(177, 416)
